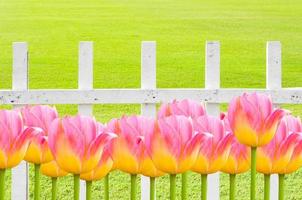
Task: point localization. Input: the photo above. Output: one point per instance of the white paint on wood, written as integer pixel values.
(85, 82)
(148, 81)
(212, 81)
(19, 188)
(138, 96)
(273, 65)
(273, 81)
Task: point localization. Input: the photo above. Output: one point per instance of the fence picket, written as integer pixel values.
(85, 82)
(148, 95)
(20, 186)
(148, 81)
(273, 81)
(212, 81)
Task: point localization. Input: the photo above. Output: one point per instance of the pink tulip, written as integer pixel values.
(214, 152)
(102, 169)
(239, 158)
(283, 154)
(77, 143)
(253, 119)
(185, 107)
(14, 139)
(52, 169)
(128, 150)
(174, 145)
(39, 117)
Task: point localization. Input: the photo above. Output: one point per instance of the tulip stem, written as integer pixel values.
(54, 181)
(152, 188)
(172, 186)
(76, 186)
(88, 190)
(2, 184)
(253, 172)
(37, 182)
(204, 185)
(184, 183)
(232, 186)
(267, 178)
(133, 186)
(281, 186)
(106, 187)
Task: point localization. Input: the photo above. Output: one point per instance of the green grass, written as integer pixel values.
(53, 29)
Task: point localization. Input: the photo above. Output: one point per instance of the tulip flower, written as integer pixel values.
(129, 150)
(214, 151)
(52, 170)
(283, 154)
(174, 146)
(254, 122)
(38, 151)
(14, 141)
(102, 170)
(238, 160)
(77, 145)
(187, 108)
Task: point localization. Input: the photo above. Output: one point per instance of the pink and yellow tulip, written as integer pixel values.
(214, 151)
(237, 162)
(103, 168)
(77, 145)
(174, 146)
(254, 122)
(188, 108)
(185, 107)
(239, 159)
(129, 151)
(101, 171)
(14, 141)
(253, 119)
(39, 117)
(52, 170)
(283, 154)
(14, 138)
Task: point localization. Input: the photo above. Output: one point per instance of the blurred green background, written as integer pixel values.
(53, 29)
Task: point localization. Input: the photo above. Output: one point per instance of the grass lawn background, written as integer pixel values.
(53, 29)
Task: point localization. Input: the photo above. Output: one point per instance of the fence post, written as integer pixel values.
(148, 81)
(20, 184)
(273, 81)
(212, 81)
(85, 82)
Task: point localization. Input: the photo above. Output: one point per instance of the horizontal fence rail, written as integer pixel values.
(148, 96)
(139, 96)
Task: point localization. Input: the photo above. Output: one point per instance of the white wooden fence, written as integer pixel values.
(148, 95)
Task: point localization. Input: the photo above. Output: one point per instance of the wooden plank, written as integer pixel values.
(138, 96)
(85, 82)
(20, 183)
(148, 81)
(212, 81)
(273, 81)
